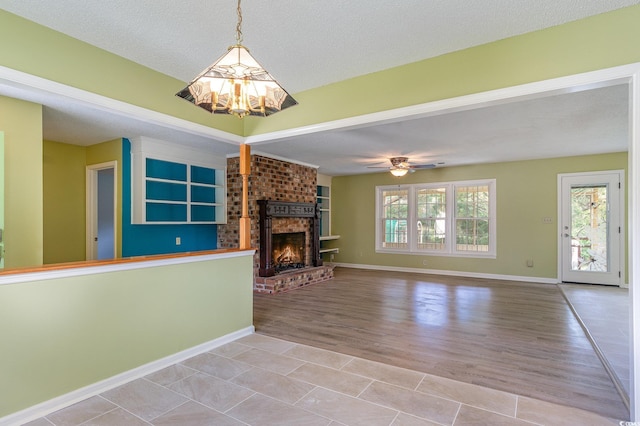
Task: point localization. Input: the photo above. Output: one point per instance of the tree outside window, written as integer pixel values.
(472, 218)
(395, 218)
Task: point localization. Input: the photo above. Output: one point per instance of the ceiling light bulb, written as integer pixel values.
(399, 171)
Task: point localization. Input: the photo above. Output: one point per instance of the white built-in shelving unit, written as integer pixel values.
(177, 184)
(324, 203)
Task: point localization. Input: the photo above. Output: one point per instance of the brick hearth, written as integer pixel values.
(291, 280)
(274, 180)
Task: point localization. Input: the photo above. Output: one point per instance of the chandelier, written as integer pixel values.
(237, 84)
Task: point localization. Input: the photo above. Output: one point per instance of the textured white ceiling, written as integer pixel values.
(304, 44)
(580, 123)
(307, 44)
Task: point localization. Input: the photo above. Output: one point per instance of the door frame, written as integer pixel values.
(622, 222)
(92, 207)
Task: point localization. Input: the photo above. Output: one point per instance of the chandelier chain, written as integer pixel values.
(239, 26)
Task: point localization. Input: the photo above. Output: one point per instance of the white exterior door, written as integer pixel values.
(591, 227)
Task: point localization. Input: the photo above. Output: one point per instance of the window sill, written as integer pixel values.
(439, 254)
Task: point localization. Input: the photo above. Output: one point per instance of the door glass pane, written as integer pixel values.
(589, 228)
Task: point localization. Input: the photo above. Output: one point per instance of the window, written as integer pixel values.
(472, 218)
(395, 217)
(431, 218)
(449, 219)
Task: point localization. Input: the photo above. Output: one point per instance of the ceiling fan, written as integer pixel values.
(400, 166)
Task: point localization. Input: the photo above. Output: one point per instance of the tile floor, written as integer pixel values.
(604, 311)
(259, 380)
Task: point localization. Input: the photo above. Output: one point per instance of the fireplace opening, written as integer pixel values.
(288, 251)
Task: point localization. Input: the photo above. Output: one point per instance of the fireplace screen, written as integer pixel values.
(288, 251)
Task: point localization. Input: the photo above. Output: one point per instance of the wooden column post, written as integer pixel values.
(316, 258)
(245, 219)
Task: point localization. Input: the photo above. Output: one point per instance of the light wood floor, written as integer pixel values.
(513, 336)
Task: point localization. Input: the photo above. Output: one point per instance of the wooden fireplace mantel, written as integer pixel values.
(270, 209)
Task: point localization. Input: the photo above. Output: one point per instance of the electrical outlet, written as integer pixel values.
(331, 256)
(530, 263)
(178, 241)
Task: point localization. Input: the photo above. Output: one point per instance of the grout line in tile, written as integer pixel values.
(112, 410)
(306, 361)
(189, 399)
(171, 390)
(240, 402)
(356, 397)
(171, 409)
(303, 396)
(315, 386)
(395, 418)
(457, 413)
(470, 405)
(424, 376)
(367, 387)
(350, 361)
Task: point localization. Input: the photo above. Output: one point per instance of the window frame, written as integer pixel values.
(381, 218)
(450, 248)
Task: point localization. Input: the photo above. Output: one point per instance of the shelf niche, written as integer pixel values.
(176, 184)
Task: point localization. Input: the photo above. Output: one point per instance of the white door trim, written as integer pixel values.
(92, 207)
(634, 240)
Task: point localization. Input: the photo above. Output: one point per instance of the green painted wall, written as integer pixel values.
(63, 167)
(27, 46)
(526, 192)
(22, 125)
(598, 42)
(102, 153)
(64, 198)
(1, 197)
(593, 43)
(60, 335)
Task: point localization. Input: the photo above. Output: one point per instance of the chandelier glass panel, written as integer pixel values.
(237, 84)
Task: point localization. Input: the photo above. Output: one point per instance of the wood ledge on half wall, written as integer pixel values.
(119, 261)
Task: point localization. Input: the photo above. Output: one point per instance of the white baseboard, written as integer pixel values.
(63, 401)
(450, 273)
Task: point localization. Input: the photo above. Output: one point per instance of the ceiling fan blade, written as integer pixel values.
(421, 166)
(403, 163)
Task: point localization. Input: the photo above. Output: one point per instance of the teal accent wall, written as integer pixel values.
(148, 239)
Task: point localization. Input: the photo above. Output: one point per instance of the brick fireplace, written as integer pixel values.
(275, 181)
